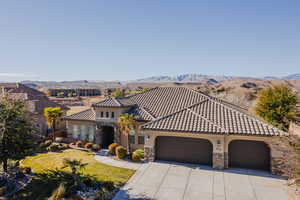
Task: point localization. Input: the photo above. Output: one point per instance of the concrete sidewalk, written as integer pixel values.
(109, 160)
(160, 180)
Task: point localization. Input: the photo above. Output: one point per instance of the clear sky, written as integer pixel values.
(130, 39)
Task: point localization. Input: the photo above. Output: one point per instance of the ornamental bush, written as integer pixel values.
(47, 143)
(26, 170)
(138, 155)
(96, 147)
(79, 144)
(112, 148)
(53, 148)
(88, 145)
(121, 152)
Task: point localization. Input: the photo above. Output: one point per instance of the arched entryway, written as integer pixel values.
(249, 154)
(107, 136)
(181, 149)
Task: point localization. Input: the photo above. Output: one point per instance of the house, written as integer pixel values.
(183, 125)
(35, 100)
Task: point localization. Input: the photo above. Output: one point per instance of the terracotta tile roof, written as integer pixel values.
(86, 115)
(141, 113)
(213, 117)
(114, 102)
(185, 110)
(30, 95)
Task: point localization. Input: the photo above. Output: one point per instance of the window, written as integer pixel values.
(91, 134)
(112, 114)
(76, 132)
(102, 114)
(141, 139)
(83, 132)
(107, 114)
(132, 137)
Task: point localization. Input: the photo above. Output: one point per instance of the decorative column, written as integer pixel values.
(149, 147)
(219, 158)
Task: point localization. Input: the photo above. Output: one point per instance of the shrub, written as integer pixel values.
(53, 147)
(138, 155)
(3, 191)
(112, 148)
(102, 195)
(121, 152)
(96, 147)
(26, 170)
(59, 193)
(62, 147)
(108, 185)
(47, 143)
(79, 144)
(88, 145)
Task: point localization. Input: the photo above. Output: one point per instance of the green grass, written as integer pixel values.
(42, 185)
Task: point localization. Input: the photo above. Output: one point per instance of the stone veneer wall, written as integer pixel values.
(220, 147)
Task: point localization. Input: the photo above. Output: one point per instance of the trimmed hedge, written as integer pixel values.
(121, 152)
(96, 147)
(79, 144)
(138, 155)
(53, 147)
(88, 145)
(47, 143)
(112, 148)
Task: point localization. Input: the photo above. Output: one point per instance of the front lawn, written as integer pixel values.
(42, 186)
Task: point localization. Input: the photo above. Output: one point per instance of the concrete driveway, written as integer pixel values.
(162, 180)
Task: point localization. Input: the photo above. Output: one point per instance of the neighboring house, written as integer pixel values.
(35, 100)
(180, 124)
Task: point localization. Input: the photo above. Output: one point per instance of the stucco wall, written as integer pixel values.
(220, 146)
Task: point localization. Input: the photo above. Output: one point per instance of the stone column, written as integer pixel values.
(218, 153)
(149, 147)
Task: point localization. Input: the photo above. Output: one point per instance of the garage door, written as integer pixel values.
(249, 154)
(181, 149)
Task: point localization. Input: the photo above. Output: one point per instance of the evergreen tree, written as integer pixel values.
(278, 106)
(16, 131)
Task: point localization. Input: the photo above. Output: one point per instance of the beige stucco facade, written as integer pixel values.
(220, 146)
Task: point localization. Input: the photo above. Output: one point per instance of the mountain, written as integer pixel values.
(184, 78)
(202, 77)
(292, 77)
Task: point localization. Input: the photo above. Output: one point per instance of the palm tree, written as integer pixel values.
(53, 116)
(126, 123)
(74, 165)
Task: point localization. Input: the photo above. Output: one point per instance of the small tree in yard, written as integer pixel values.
(126, 123)
(53, 116)
(16, 131)
(278, 106)
(118, 93)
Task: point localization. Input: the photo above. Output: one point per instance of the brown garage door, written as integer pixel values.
(249, 154)
(181, 149)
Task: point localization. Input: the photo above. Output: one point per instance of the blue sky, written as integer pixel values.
(125, 40)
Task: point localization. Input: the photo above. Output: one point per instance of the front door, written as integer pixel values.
(107, 136)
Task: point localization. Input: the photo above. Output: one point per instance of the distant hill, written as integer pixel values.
(185, 78)
(72, 84)
(202, 77)
(291, 77)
